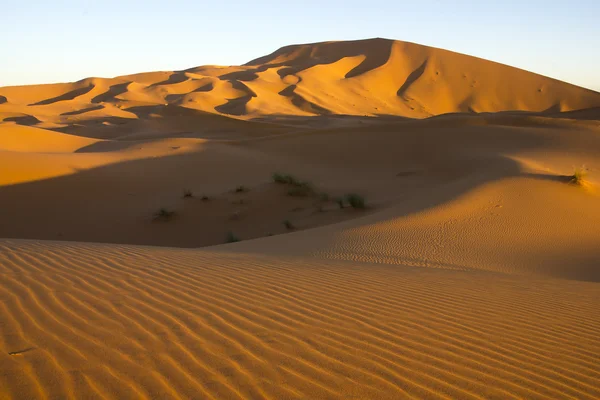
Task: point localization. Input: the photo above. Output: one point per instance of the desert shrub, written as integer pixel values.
(164, 213)
(355, 200)
(241, 189)
(282, 178)
(231, 237)
(300, 188)
(340, 201)
(187, 193)
(578, 176)
(205, 198)
(288, 224)
(288, 179)
(296, 182)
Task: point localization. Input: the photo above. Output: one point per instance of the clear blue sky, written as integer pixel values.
(66, 40)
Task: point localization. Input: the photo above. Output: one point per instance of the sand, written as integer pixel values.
(472, 273)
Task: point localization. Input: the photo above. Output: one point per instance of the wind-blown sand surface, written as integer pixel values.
(474, 272)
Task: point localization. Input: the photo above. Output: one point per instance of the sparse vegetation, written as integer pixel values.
(288, 225)
(164, 214)
(340, 201)
(356, 201)
(187, 193)
(282, 178)
(578, 176)
(241, 189)
(301, 188)
(232, 238)
(205, 198)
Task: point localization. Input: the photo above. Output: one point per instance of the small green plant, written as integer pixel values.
(295, 182)
(231, 237)
(288, 179)
(241, 189)
(356, 201)
(164, 213)
(187, 193)
(288, 225)
(282, 178)
(578, 176)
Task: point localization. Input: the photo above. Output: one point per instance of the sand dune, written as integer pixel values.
(28, 139)
(363, 78)
(472, 273)
(129, 322)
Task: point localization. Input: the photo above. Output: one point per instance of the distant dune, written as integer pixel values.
(472, 272)
(365, 78)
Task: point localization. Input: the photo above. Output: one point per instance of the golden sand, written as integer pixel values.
(473, 272)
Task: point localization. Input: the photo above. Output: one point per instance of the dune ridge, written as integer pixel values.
(363, 78)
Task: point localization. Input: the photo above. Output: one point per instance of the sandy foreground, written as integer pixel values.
(474, 271)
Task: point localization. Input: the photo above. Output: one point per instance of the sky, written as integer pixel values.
(43, 41)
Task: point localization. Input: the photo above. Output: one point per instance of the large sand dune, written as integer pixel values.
(474, 272)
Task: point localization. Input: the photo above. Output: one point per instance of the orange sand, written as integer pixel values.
(474, 272)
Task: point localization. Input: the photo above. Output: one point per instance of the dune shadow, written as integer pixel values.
(66, 96)
(301, 57)
(549, 177)
(111, 93)
(244, 76)
(110, 146)
(82, 111)
(302, 103)
(592, 114)
(174, 78)
(27, 120)
(237, 106)
(325, 119)
(553, 109)
(412, 77)
(204, 88)
(104, 127)
(583, 267)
